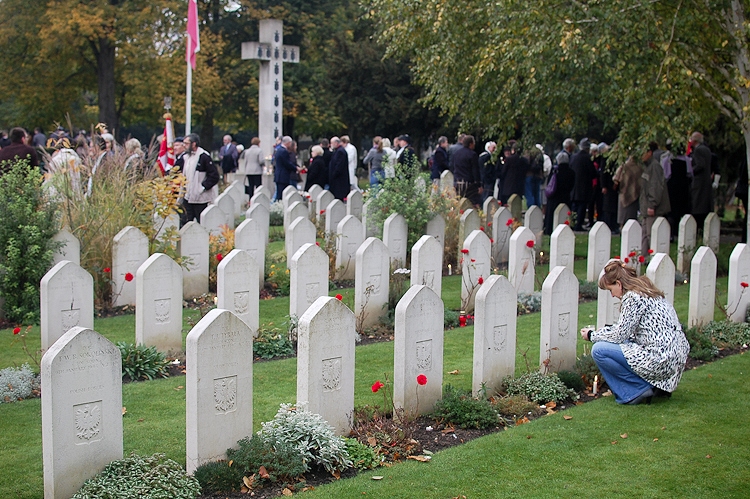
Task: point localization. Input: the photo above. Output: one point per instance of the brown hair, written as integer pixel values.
(378, 143)
(617, 271)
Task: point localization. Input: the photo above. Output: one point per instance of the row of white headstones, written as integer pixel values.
(82, 423)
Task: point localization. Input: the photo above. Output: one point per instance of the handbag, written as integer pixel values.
(551, 184)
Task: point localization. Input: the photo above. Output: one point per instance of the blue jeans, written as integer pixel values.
(533, 191)
(376, 177)
(624, 383)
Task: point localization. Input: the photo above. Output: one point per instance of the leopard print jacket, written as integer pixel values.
(651, 338)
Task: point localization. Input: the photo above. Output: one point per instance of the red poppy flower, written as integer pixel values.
(16, 330)
(489, 224)
(480, 280)
(481, 228)
(339, 297)
(568, 213)
(317, 243)
(641, 259)
(626, 260)
(617, 257)
(473, 260)
(377, 386)
(107, 270)
(461, 212)
(631, 254)
(128, 277)
(464, 251)
(492, 241)
(650, 251)
(509, 222)
(530, 243)
(219, 257)
(322, 211)
(461, 261)
(744, 284)
(567, 222)
(345, 200)
(422, 379)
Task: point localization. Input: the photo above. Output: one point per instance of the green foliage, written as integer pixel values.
(310, 434)
(517, 405)
(219, 476)
(282, 460)
(701, 346)
(461, 409)
(588, 290)
(272, 343)
(586, 367)
(17, 383)
(362, 456)
(450, 318)
(728, 333)
(27, 225)
(140, 362)
(138, 477)
(276, 275)
(276, 214)
(541, 388)
(398, 285)
(572, 380)
(529, 303)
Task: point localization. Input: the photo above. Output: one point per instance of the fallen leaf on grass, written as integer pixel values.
(608, 393)
(708, 456)
(528, 437)
(377, 477)
(448, 430)
(710, 376)
(248, 481)
(124, 411)
(287, 492)
(179, 388)
(263, 472)
(567, 418)
(522, 421)
(614, 442)
(550, 405)
(372, 441)
(141, 420)
(421, 459)
(455, 371)
(663, 427)
(656, 440)
(624, 435)
(336, 474)
(309, 487)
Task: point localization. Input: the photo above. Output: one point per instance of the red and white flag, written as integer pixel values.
(193, 44)
(166, 150)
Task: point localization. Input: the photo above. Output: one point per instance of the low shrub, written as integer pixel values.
(17, 383)
(588, 290)
(587, 369)
(701, 346)
(362, 456)
(219, 476)
(282, 460)
(517, 405)
(728, 333)
(450, 318)
(138, 477)
(389, 437)
(529, 302)
(272, 343)
(572, 380)
(140, 362)
(276, 275)
(461, 409)
(310, 434)
(276, 214)
(540, 388)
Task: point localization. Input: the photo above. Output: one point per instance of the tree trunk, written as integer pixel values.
(106, 78)
(207, 129)
(746, 134)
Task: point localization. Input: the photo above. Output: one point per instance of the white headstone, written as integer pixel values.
(335, 212)
(237, 287)
(738, 295)
(661, 272)
(163, 224)
(560, 216)
(354, 204)
(600, 241)
(70, 249)
(129, 251)
(475, 268)
(295, 210)
(559, 331)
(294, 197)
(218, 386)
(418, 350)
(265, 190)
(324, 199)
(446, 180)
(515, 205)
(522, 258)
(301, 231)
(237, 192)
(193, 244)
(468, 223)
(158, 304)
(226, 203)
(489, 207)
(312, 194)
(436, 229)
(630, 238)
(81, 410)
(325, 362)
(66, 301)
(562, 245)
(660, 234)
(262, 216)
(288, 191)
(212, 219)
(349, 238)
(369, 226)
(427, 264)
(687, 241)
(308, 278)
(371, 281)
(711, 232)
(260, 197)
(534, 220)
(494, 334)
(702, 287)
(464, 204)
(501, 232)
(249, 237)
(395, 237)
(607, 307)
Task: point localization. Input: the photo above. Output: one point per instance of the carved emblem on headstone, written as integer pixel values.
(563, 323)
(225, 394)
(428, 278)
(424, 355)
(70, 318)
(332, 374)
(241, 301)
(374, 281)
(88, 420)
(312, 291)
(499, 337)
(161, 310)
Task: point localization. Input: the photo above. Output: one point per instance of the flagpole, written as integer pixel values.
(189, 98)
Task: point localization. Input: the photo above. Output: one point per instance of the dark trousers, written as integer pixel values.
(252, 182)
(193, 211)
(579, 207)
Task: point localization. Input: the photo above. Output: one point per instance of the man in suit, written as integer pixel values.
(285, 167)
(338, 171)
(228, 155)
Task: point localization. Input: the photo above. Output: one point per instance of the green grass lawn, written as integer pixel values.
(548, 457)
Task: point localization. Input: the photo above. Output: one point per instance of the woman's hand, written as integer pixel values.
(586, 333)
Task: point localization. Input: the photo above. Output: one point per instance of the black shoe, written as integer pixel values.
(643, 397)
(658, 392)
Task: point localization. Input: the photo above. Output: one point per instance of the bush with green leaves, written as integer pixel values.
(219, 476)
(516, 406)
(529, 303)
(272, 343)
(17, 383)
(363, 456)
(277, 276)
(587, 369)
(310, 434)
(282, 460)
(701, 346)
(28, 221)
(139, 477)
(276, 214)
(141, 362)
(727, 333)
(540, 388)
(450, 318)
(572, 380)
(588, 290)
(458, 407)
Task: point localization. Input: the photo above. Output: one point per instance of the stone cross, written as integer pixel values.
(272, 54)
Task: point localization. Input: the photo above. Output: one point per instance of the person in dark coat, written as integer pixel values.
(467, 179)
(487, 170)
(440, 159)
(563, 185)
(17, 149)
(512, 172)
(338, 170)
(317, 171)
(286, 169)
(583, 190)
(609, 194)
(678, 173)
(701, 193)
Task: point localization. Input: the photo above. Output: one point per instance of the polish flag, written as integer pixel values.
(193, 44)
(166, 151)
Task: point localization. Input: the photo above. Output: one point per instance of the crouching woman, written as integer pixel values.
(643, 354)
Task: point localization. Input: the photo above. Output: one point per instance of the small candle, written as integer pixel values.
(462, 321)
(596, 385)
(450, 269)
